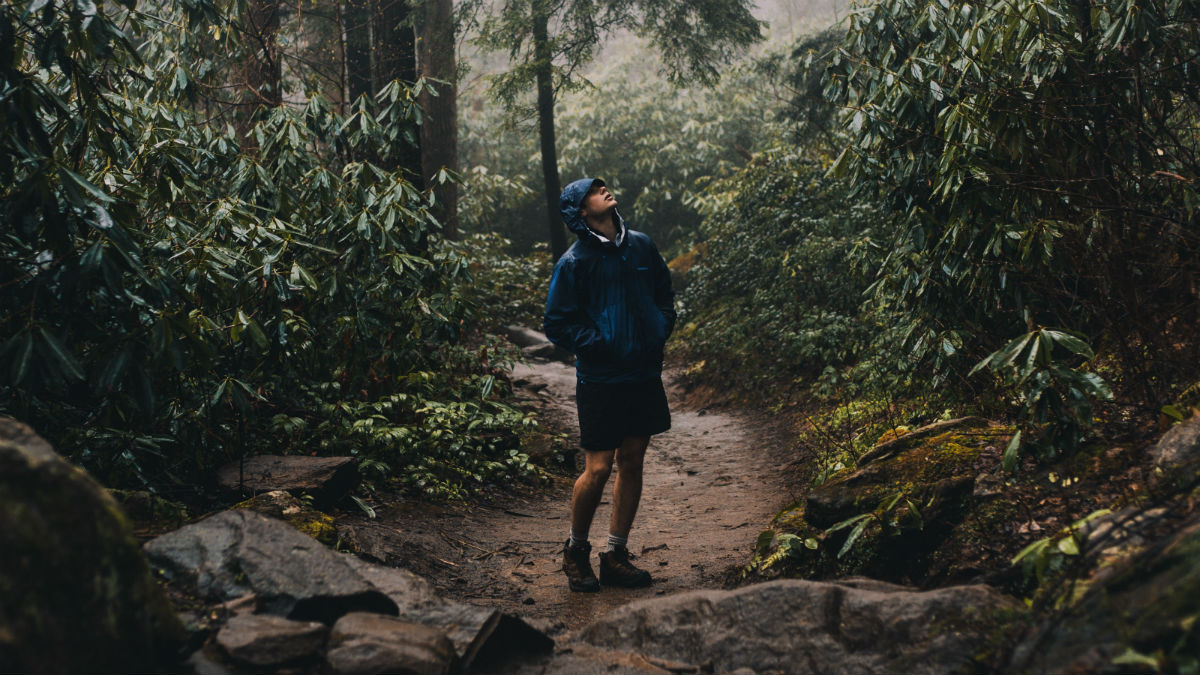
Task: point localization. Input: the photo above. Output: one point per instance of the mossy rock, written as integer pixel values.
(76, 593)
(1144, 616)
(907, 503)
(282, 505)
(151, 513)
(934, 471)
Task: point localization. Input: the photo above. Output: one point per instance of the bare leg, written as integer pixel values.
(589, 488)
(627, 491)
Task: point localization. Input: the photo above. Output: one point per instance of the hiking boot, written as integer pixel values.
(577, 565)
(616, 570)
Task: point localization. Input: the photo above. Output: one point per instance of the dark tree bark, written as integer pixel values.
(261, 71)
(439, 131)
(545, 110)
(394, 50)
(356, 36)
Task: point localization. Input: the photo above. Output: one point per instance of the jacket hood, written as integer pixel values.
(570, 204)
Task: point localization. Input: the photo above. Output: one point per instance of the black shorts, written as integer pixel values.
(609, 413)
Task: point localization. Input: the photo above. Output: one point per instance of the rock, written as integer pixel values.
(535, 345)
(234, 553)
(1180, 445)
(548, 351)
(268, 641)
(282, 505)
(327, 479)
(237, 552)
(149, 511)
(410, 592)
(482, 636)
(799, 627)
(914, 437)
(372, 643)
(1142, 607)
(76, 594)
(524, 337)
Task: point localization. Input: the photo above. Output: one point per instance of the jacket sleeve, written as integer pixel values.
(564, 322)
(664, 294)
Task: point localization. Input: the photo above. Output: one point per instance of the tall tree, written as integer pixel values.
(549, 41)
(394, 57)
(439, 130)
(356, 49)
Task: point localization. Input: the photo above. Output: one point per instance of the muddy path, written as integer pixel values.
(711, 484)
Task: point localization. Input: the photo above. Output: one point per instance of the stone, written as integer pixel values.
(915, 437)
(282, 505)
(534, 345)
(76, 593)
(373, 643)
(524, 337)
(1180, 445)
(233, 553)
(326, 479)
(481, 636)
(266, 641)
(1143, 606)
(799, 627)
(548, 351)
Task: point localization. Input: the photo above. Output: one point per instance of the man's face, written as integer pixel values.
(598, 201)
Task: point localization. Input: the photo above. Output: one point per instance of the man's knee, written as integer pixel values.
(598, 466)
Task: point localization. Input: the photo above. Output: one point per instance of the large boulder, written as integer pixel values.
(938, 461)
(904, 515)
(326, 479)
(76, 594)
(799, 627)
(233, 553)
(1138, 614)
(236, 553)
(482, 636)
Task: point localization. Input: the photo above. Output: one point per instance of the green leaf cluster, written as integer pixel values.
(177, 294)
(1043, 158)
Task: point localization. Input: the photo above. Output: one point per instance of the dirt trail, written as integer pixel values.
(711, 483)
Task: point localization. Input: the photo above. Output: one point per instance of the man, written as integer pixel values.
(611, 303)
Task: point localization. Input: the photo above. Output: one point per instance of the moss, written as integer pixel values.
(79, 595)
(281, 505)
(902, 541)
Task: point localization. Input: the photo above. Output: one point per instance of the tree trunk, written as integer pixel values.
(439, 130)
(261, 70)
(356, 26)
(545, 109)
(395, 58)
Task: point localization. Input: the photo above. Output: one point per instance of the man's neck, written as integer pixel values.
(605, 224)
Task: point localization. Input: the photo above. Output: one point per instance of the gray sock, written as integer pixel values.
(577, 539)
(616, 541)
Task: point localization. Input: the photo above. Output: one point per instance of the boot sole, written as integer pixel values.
(640, 583)
(583, 587)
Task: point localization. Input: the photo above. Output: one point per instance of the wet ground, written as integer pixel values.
(711, 484)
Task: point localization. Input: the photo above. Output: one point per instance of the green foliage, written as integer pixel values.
(512, 288)
(1055, 399)
(1046, 558)
(693, 38)
(656, 145)
(175, 298)
(1042, 155)
(776, 293)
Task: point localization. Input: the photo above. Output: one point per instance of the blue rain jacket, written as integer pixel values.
(612, 305)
